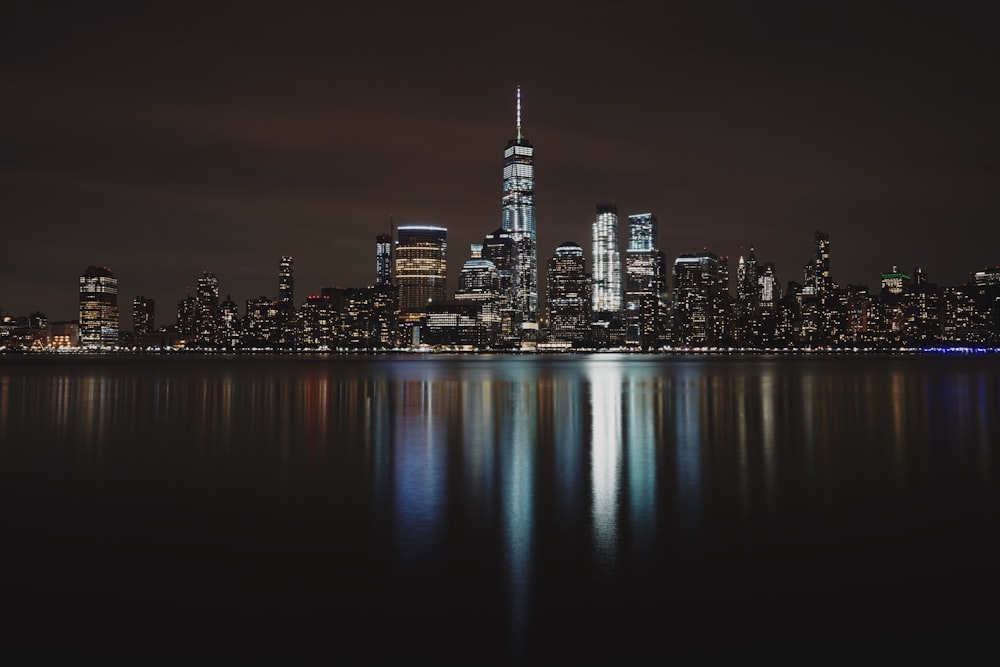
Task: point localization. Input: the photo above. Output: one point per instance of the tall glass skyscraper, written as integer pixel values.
(383, 260)
(98, 308)
(207, 309)
(568, 296)
(286, 283)
(421, 267)
(519, 219)
(645, 283)
(606, 262)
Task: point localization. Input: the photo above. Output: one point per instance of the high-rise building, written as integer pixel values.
(519, 220)
(143, 316)
(421, 267)
(287, 320)
(478, 281)
(606, 285)
(187, 315)
(383, 260)
(286, 282)
(98, 308)
(645, 283)
(229, 322)
(568, 296)
(260, 322)
(696, 288)
(817, 270)
(207, 309)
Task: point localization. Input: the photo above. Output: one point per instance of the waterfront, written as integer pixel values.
(497, 508)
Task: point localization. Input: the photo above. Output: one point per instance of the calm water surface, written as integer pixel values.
(497, 509)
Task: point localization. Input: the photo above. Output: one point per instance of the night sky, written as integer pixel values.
(165, 139)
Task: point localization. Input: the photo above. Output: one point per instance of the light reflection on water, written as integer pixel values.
(529, 470)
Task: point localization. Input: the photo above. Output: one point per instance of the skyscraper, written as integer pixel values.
(568, 295)
(421, 267)
(207, 309)
(607, 268)
(645, 282)
(383, 260)
(519, 219)
(98, 308)
(286, 283)
(696, 285)
(143, 316)
(817, 271)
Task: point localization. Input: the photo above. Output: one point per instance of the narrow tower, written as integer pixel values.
(519, 219)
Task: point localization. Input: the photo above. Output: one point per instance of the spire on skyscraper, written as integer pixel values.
(518, 112)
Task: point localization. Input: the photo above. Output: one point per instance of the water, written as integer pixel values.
(497, 509)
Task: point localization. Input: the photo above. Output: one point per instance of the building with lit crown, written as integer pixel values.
(645, 283)
(606, 282)
(518, 220)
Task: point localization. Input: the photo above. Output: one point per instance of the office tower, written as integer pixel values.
(822, 263)
(143, 316)
(817, 271)
(645, 283)
(519, 220)
(478, 281)
(421, 267)
(319, 321)
(98, 308)
(768, 287)
(207, 309)
(894, 282)
(606, 285)
(286, 283)
(696, 286)
(287, 323)
(229, 322)
(500, 248)
(260, 322)
(383, 260)
(568, 297)
(187, 311)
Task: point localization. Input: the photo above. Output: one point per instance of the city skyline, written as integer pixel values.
(738, 128)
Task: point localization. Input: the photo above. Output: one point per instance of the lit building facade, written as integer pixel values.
(286, 283)
(697, 286)
(143, 316)
(645, 283)
(383, 260)
(421, 267)
(519, 220)
(606, 282)
(568, 296)
(207, 309)
(98, 308)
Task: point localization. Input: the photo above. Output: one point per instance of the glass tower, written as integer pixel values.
(519, 219)
(98, 308)
(383, 260)
(421, 266)
(645, 283)
(286, 282)
(607, 268)
(568, 295)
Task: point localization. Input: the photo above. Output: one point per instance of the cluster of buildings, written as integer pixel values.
(639, 301)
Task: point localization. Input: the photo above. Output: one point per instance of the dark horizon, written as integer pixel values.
(162, 143)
